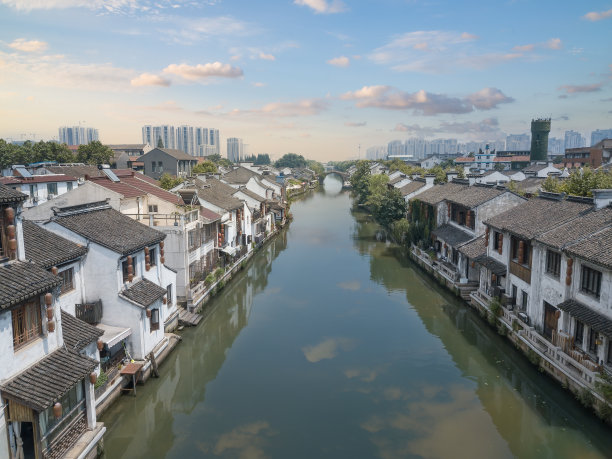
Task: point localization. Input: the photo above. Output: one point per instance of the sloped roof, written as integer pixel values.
(412, 187)
(48, 380)
(594, 319)
(475, 195)
(218, 193)
(439, 193)
(77, 333)
(578, 229)
(491, 264)
(537, 216)
(144, 292)
(9, 195)
(596, 248)
(132, 185)
(251, 194)
(208, 215)
(20, 281)
(48, 249)
(179, 155)
(239, 175)
(107, 227)
(452, 235)
(474, 248)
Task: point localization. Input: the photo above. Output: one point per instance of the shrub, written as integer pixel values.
(495, 307)
(585, 397)
(219, 272)
(102, 378)
(209, 279)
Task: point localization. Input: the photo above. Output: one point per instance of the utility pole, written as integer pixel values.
(359, 153)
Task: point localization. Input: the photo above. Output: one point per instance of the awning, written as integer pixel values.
(48, 380)
(583, 313)
(451, 235)
(113, 335)
(497, 268)
(229, 250)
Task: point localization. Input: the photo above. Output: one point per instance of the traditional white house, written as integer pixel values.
(126, 259)
(40, 188)
(46, 381)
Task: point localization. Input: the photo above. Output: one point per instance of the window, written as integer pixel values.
(153, 257)
(524, 300)
(69, 186)
(553, 263)
(521, 251)
(609, 356)
(593, 341)
(160, 166)
(591, 281)
(514, 294)
(578, 332)
(52, 188)
(67, 280)
(152, 208)
(169, 294)
(27, 324)
(124, 268)
(154, 319)
(496, 240)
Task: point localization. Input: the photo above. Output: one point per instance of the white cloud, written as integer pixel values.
(524, 48)
(259, 84)
(267, 57)
(341, 61)
(188, 31)
(323, 6)
(28, 46)
(598, 15)
(554, 43)
(327, 349)
(110, 6)
(203, 71)
(475, 129)
(354, 124)
(425, 103)
(149, 79)
(576, 88)
(436, 51)
(303, 107)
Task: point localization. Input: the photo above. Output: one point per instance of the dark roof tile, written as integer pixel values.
(452, 235)
(47, 249)
(20, 281)
(594, 319)
(9, 195)
(144, 292)
(77, 333)
(474, 248)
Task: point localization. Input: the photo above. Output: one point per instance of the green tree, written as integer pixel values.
(360, 181)
(580, 182)
(316, 166)
(377, 187)
(160, 143)
(205, 168)
(262, 160)
(499, 167)
(166, 181)
(291, 160)
(392, 207)
(94, 153)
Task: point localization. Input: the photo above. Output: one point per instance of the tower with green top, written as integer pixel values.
(539, 139)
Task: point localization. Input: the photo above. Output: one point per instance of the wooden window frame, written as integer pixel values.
(154, 320)
(30, 314)
(590, 281)
(553, 263)
(67, 286)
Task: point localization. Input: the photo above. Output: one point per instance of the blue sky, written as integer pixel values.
(316, 77)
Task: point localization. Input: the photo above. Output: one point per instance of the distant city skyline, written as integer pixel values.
(318, 77)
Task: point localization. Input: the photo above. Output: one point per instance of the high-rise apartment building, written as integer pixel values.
(195, 141)
(77, 135)
(556, 146)
(234, 149)
(375, 153)
(574, 139)
(152, 135)
(185, 139)
(599, 135)
(518, 142)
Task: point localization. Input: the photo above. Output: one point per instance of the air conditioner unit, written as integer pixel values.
(524, 317)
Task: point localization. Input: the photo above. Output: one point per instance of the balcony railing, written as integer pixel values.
(520, 271)
(89, 312)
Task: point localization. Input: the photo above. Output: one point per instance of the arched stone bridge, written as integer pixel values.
(343, 176)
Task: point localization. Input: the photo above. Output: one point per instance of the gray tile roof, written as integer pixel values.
(47, 249)
(397, 179)
(594, 319)
(240, 175)
(474, 248)
(108, 228)
(411, 187)
(537, 216)
(20, 281)
(78, 333)
(529, 185)
(452, 235)
(491, 264)
(578, 229)
(45, 382)
(439, 193)
(144, 292)
(596, 248)
(251, 194)
(218, 193)
(9, 195)
(176, 154)
(475, 195)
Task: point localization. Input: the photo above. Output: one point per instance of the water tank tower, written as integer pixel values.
(539, 139)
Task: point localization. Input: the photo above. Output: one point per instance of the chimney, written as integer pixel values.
(602, 198)
(429, 179)
(450, 175)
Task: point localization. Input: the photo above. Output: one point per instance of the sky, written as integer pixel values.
(323, 78)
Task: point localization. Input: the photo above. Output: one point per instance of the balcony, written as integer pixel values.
(89, 312)
(520, 271)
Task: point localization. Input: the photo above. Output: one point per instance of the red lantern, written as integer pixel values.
(148, 313)
(57, 410)
(148, 266)
(100, 344)
(146, 251)
(54, 270)
(49, 313)
(48, 299)
(12, 243)
(163, 260)
(9, 214)
(93, 377)
(10, 231)
(164, 300)
(51, 326)
(161, 244)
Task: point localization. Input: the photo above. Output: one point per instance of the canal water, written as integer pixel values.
(331, 345)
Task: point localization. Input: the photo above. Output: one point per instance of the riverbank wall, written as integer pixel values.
(549, 359)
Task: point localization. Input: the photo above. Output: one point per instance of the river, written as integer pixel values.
(331, 344)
